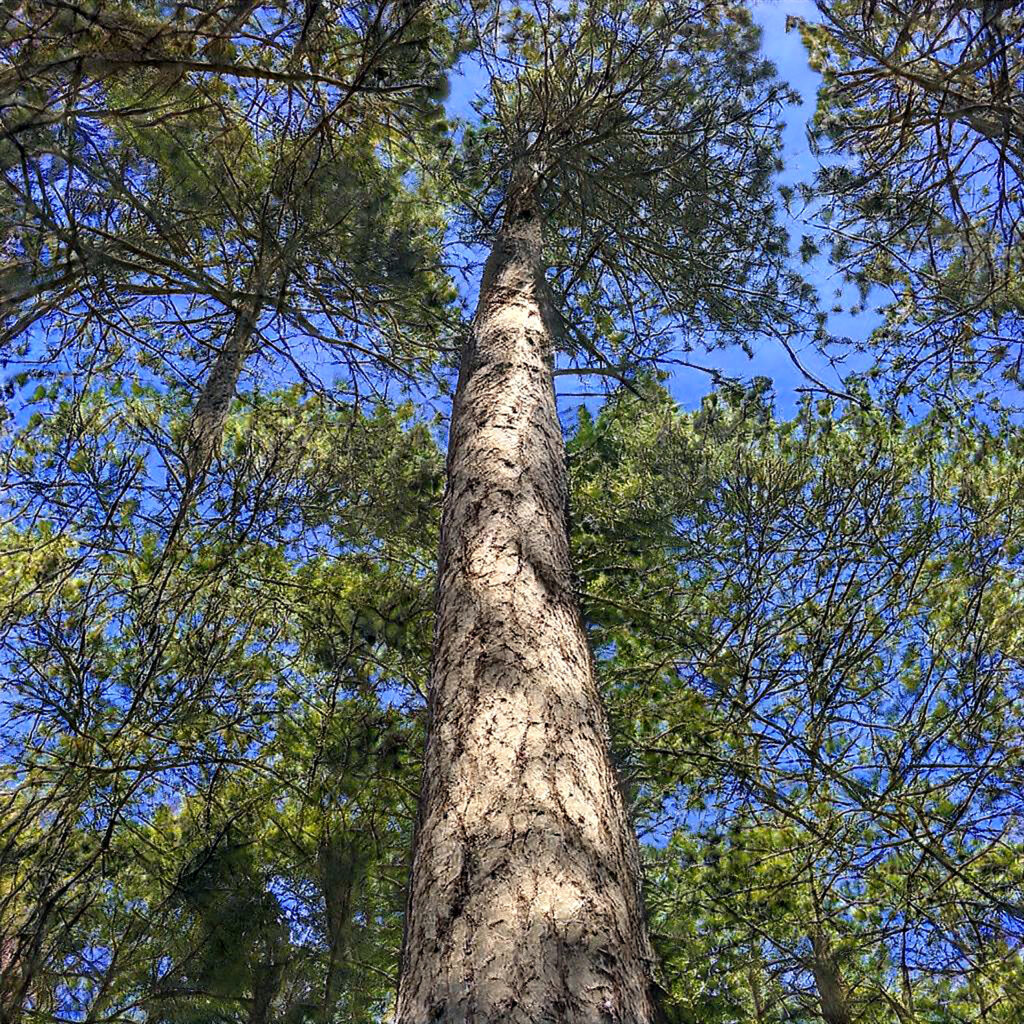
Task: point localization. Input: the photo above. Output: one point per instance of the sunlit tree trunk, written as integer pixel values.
(210, 413)
(524, 905)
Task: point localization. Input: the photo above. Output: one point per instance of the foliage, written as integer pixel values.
(919, 128)
(810, 635)
(188, 197)
(208, 777)
(637, 130)
(808, 631)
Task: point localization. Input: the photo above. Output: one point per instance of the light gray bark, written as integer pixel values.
(524, 904)
(206, 428)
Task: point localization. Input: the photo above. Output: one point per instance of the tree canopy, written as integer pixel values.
(919, 123)
(234, 247)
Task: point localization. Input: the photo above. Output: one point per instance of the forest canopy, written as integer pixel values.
(416, 604)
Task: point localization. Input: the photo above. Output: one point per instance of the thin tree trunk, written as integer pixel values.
(266, 983)
(12, 983)
(21, 962)
(340, 873)
(755, 971)
(835, 1008)
(210, 413)
(524, 904)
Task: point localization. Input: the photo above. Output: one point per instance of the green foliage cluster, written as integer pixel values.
(175, 180)
(638, 129)
(210, 749)
(920, 131)
(810, 636)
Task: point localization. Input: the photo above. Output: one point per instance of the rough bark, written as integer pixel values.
(524, 904)
(211, 409)
(832, 996)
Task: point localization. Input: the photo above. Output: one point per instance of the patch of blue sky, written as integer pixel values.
(785, 49)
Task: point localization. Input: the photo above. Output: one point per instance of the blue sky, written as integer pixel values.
(787, 52)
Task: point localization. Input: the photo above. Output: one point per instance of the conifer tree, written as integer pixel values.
(810, 637)
(615, 146)
(190, 192)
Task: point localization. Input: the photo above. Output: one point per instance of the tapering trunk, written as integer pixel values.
(832, 995)
(524, 903)
(210, 413)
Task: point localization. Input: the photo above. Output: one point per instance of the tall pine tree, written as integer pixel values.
(615, 148)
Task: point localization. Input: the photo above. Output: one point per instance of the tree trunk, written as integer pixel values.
(266, 983)
(754, 974)
(524, 903)
(206, 428)
(829, 982)
(12, 984)
(340, 873)
(210, 414)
